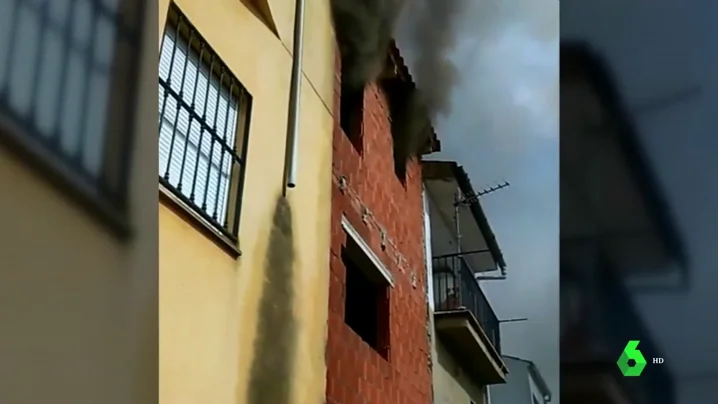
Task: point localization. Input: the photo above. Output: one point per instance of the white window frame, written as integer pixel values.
(373, 258)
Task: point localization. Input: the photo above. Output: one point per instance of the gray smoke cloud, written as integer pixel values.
(364, 31)
(433, 29)
(495, 71)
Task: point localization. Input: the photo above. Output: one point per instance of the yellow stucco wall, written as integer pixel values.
(78, 305)
(233, 330)
(451, 384)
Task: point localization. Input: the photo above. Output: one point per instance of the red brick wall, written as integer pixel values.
(372, 198)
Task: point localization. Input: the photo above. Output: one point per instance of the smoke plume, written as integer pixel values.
(432, 31)
(364, 31)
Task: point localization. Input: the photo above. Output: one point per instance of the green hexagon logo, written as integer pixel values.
(631, 352)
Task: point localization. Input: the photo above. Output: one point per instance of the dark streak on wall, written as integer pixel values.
(275, 344)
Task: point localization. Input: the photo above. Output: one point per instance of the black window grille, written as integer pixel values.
(67, 75)
(202, 109)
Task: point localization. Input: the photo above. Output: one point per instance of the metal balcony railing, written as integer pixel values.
(455, 288)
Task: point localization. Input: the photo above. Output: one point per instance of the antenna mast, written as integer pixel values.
(460, 199)
(469, 199)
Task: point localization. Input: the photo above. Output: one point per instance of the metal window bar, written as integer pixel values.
(58, 62)
(202, 107)
(455, 288)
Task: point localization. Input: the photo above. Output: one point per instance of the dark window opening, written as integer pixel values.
(400, 167)
(351, 111)
(366, 305)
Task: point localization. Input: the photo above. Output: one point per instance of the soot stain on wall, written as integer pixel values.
(270, 379)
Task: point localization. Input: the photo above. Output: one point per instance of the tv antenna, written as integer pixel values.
(513, 320)
(472, 198)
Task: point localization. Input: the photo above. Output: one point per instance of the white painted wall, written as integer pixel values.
(428, 251)
(429, 284)
(451, 384)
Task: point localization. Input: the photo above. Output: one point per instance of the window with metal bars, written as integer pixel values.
(68, 70)
(203, 126)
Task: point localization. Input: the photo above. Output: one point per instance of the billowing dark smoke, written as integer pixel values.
(411, 126)
(433, 34)
(364, 30)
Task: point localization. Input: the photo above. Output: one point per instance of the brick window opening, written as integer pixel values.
(366, 305)
(351, 113)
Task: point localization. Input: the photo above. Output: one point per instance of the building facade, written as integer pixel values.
(524, 384)
(78, 280)
(466, 335)
(244, 267)
(378, 349)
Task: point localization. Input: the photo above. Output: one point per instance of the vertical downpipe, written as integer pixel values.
(457, 226)
(290, 156)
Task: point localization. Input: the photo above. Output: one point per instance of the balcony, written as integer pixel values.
(465, 321)
(607, 320)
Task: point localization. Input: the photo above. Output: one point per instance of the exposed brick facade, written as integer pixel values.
(356, 373)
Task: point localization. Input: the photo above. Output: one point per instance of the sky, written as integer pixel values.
(502, 125)
(656, 48)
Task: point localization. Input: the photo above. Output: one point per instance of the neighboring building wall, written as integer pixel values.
(253, 329)
(535, 392)
(77, 301)
(451, 384)
(520, 388)
(428, 254)
(517, 389)
(355, 370)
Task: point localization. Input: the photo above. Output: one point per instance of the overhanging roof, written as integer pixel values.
(442, 179)
(623, 200)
